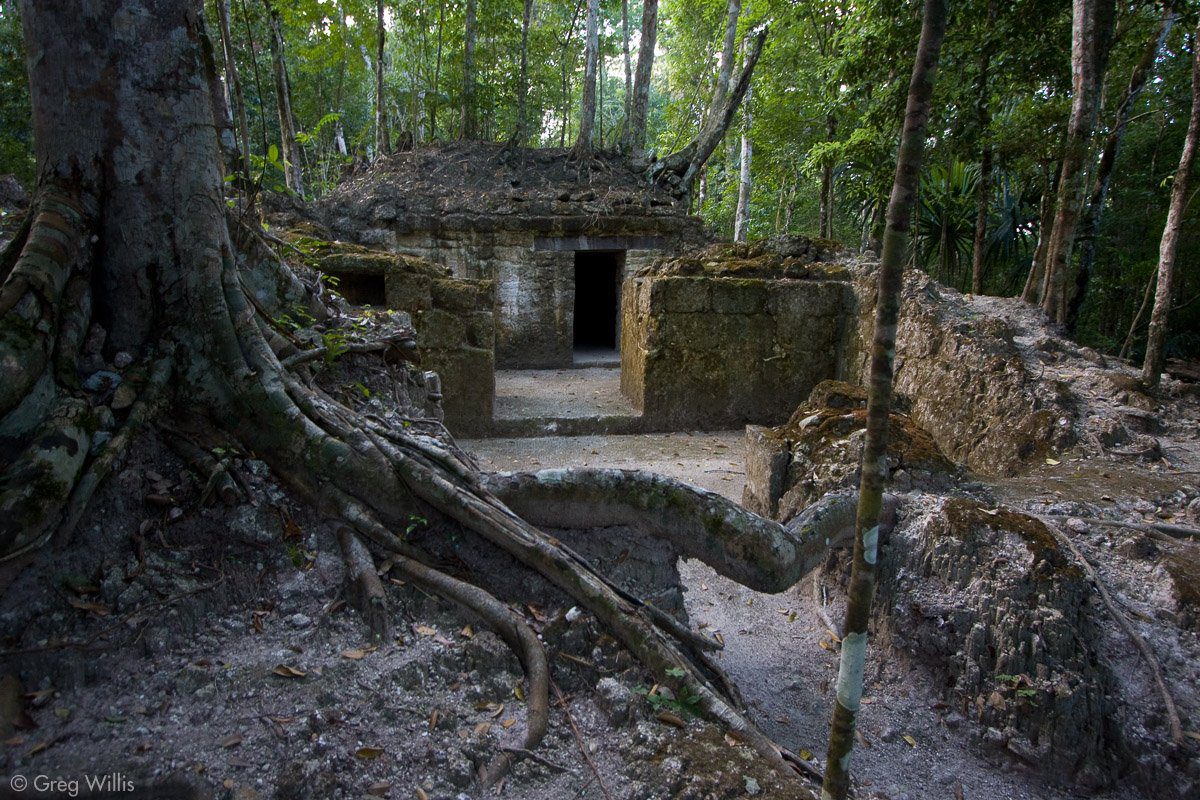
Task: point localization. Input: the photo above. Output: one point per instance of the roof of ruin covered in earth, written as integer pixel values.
(483, 186)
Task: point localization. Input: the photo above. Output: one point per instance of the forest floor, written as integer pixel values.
(211, 644)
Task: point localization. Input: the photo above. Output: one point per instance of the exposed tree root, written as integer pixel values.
(364, 588)
(1143, 647)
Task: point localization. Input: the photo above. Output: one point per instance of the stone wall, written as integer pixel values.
(453, 317)
(965, 378)
(708, 352)
(534, 281)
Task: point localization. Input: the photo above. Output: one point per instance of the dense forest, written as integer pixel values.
(814, 141)
(931, 267)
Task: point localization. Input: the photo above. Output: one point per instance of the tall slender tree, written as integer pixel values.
(634, 140)
(983, 194)
(628, 100)
(883, 353)
(522, 134)
(741, 217)
(235, 84)
(289, 149)
(725, 63)
(1152, 366)
(591, 56)
(1091, 32)
(383, 142)
(1094, 210)
(470, 114)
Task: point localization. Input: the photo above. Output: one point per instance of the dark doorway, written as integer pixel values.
(361, 289)
(597, 300)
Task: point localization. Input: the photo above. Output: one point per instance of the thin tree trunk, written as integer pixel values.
(984, 193)
(1137, 318)
(470, 122)
(1090, 29)
(1156, 337)
(741, 223)
(522, 136)
(725, 65)
(1031, 293)
(289, 151)
(437, 70)
(825, 207)
(235, 86)
(591, 55)
(628, 63)
(383, 141)
(1090, 225)
(635, 139)
(566, 82)
(874, 459)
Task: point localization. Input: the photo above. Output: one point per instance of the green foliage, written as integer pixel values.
(828, 93)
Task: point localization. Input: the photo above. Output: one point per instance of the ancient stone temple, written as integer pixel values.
(553, 236)
(566, 296)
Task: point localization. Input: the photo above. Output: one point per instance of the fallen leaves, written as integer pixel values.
(668, 718)
(232, 740)
(368, 753)
(286, 671)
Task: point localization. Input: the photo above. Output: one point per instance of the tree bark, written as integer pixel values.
(1093, 211)
(1152, 366)
(383, 143)
(635, 132)
(874, 460)
(591, 56)
(470, 115)
(741, 224)
(1090, 31)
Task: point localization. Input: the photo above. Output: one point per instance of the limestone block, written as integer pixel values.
(456, 295)
(734, 296)
(439, 329)
(681, 295)
(481, 329)
(767, 458)
(407, 292)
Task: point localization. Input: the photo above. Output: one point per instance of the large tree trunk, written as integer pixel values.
(883, 354)
(1091, 28)
(289, 150)
(741, 217)
(591, 56)
(1152, 366)
(470, 114)
(634, 140)
(1090, 226)
(383, 143)
(129, 230)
